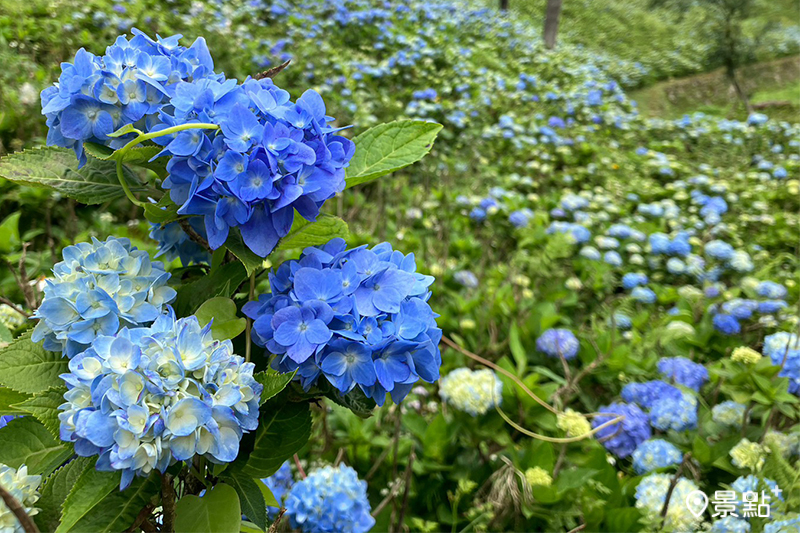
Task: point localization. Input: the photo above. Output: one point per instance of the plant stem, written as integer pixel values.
(248, 329)
(121, 178)
(16, 507)
(167, 503)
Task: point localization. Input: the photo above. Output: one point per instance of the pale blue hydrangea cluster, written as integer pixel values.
(174, 243)
(676, 414)
(557, 343)
(654, 454)
(651, 493)
(471, 391)
(279, 483)
(730, 524)
(330, 500)
(98, 288)
(784, 350)
(684, 372)
(729, 413)
(752, 483)
(791, 525)
(145, 398)
(24, 489)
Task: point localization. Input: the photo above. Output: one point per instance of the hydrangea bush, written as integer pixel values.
(142, 387)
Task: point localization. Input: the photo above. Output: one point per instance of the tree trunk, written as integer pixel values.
(731, 74)
(504, 5)
(551, 23)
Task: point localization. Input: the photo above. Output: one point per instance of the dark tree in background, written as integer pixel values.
(723, 25)
(504, 5)
(551, 16)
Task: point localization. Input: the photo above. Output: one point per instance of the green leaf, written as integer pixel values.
(44, 407)
(222, 282)
(9, 398)
(9, 233)
(305, 233)
(623, 520)
(250, 497)
(55, 490)
(88, 491)
(115, 510)
(282, 432)
(269, 498)
(273, 383)
(251, 261)
(517, 351)
(390, 147)
(57, 169)
(100, 151)
(5, 335)
(26, 441)
(219, 511)
(162, 212)
(27, 367)
(222, 310)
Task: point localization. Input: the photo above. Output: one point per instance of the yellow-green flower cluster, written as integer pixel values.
(651, 493)
(748, 454)
(474, 392)
(10, 318)
(538, 476)
(573, 423)
(746, 355)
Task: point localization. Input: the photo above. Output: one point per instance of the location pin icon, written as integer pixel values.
(697, 503)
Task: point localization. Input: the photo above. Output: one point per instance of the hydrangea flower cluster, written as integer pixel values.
(573, 423)
(783, 526)
(359, 317)
(624, 437)
(683, 371)
(130, 84)
(279, 483)
(745, 355)
(558, 343)
(145, 398)
(538, 476)
(24, 489)
(752, 483)
(676, 414)
(270, 157)
(332, 500)
(654, 454)
(729, 413)
(651, 493)
(98, 288)
(746, 454)
(471, 391)
(174, 243)
(783, 350)
(730, 524)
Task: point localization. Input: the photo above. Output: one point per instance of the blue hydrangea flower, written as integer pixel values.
(623, 437)
(471, 391)
(679, 415)
(654, 454)
(771, 290)
(279, 483)
(576, 232)
(632, 280)
(477, 214)
(644, 295)
(729, 413)
(683, 371)
(520, 219)
(730, 524)
(783, 350)
(647, 393)
(557, 343)
(622, 321)
(5, 419)
(98, 288)
(752, 483)
(24, 489)
(466, 278)
(174, 243)
(330, 499)
(740, 308)
(359, 317)
(783, 526)
(130, 84)
(719, 250)
(270, 158)
(145, 398)
(726, 324)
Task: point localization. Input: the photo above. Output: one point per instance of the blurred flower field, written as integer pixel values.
(489, 295)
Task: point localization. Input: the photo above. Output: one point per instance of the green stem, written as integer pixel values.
(249, 321)
(128, 192)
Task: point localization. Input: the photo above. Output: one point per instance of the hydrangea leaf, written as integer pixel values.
(223, 282)
(304, 233)
(26, 441)
(162, 212)
(218, 511)
(55, 490)
(57, 169)
(9, 232)
(251, 498)
(8, 400)
(44, 407)
(282, 432)
(27, 367)
(226, 324)
(251, 261)
(389, 147)
(97, 505)
(273, 383)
